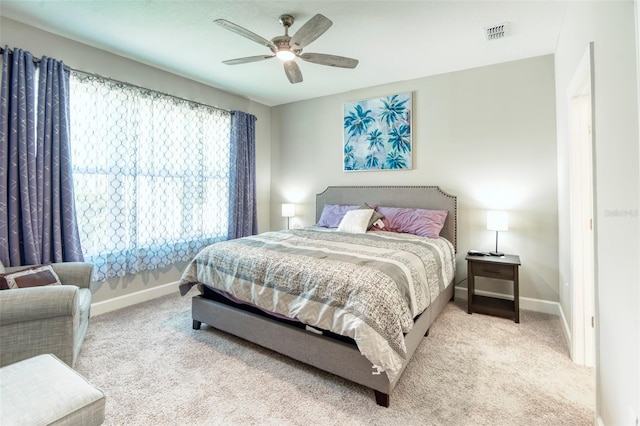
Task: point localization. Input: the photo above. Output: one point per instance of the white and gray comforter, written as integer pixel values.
(368, 287)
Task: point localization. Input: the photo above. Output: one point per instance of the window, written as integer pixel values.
(151, 175)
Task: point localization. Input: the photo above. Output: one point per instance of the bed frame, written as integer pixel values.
(323, 352)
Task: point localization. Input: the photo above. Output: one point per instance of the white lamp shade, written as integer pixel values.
(288, 210)
(497, 221)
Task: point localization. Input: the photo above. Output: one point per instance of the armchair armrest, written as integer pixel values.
(74, 273)
(37, 303)
(70, 273)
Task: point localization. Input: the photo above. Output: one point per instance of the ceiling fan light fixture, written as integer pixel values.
(285, 55)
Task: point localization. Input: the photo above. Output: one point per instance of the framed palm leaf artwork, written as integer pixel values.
(377, 133)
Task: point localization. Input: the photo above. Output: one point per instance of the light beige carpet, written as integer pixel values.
(470, 370)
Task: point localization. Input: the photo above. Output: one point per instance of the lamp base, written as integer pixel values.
(496, 253)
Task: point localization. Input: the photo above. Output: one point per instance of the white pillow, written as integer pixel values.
(355, 221)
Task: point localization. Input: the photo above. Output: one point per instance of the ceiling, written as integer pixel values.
(393, 40)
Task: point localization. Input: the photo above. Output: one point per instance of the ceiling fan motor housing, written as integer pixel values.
(282, 43)
(286, 21)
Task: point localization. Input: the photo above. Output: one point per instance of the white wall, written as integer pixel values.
(637, 8)
(486, 135)
(83, 57)
(610, 25)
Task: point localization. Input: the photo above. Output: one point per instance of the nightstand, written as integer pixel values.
(502, 268)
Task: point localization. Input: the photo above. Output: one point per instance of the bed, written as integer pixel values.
(363, 335)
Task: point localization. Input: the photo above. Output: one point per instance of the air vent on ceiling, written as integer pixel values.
(496, 32)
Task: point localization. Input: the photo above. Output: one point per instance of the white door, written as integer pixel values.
(581, 186)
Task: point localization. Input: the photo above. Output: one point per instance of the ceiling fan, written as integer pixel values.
(288, 48)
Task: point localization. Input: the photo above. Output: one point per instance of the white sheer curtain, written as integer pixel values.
(151, 175)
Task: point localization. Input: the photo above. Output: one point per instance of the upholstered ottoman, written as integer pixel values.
(45, 391)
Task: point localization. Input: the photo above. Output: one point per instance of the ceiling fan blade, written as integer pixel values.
(311, 30)
(293, 72)
(330, 60)
(245, 33)
(247, 59)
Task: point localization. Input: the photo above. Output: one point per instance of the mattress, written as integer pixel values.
(368, 287)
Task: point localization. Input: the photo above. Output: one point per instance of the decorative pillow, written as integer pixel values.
(34, 276)
(374, 217)
(332, 215)
(356, 221)
(425, 223)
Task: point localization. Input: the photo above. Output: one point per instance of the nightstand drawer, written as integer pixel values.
(492, 270)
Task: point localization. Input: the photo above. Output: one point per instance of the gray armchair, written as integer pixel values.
(50, 319)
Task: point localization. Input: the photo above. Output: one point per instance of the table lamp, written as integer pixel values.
(497, 221)
(288, 211)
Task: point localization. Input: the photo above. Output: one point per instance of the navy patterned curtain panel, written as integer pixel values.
(243, 219)
(37, 211)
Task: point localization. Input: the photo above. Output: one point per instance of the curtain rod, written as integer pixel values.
(37, 60)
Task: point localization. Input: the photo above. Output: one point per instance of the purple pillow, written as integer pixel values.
(332, 215)
(425, 223)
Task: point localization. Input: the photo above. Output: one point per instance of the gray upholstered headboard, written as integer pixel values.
(420, 197)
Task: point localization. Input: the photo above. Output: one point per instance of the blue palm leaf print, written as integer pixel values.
(376, 141)
(349, 159)
(371, 161)
(400, 138)
(358, 121)
(395, 160)
(393, 109)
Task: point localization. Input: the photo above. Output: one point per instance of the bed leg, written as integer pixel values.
(196, 324)
(427, 333)
(382, 399)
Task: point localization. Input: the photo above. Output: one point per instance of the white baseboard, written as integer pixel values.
(599, 421)
(133, 298)
(526, 303)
